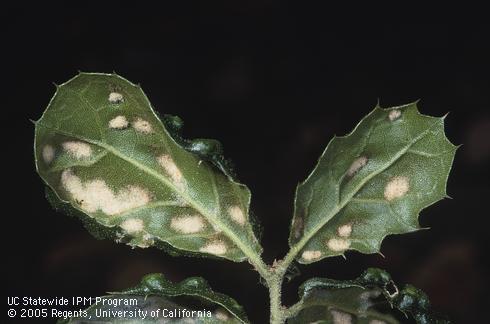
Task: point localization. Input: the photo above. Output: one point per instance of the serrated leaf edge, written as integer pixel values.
(305, 239)
(248, 252)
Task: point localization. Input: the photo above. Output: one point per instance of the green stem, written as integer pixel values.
(259, 266)
(293, 309)
(274, 277)
(276, 308)
(279, 313)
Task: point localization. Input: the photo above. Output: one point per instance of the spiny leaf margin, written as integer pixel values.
(338, 207)
(240, 239)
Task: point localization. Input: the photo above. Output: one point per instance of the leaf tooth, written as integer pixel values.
(82, 110)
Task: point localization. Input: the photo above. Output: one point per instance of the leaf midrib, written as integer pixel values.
(301, 243)
(250, 253)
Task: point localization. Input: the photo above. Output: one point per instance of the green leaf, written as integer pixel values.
(102, 150)
(373, 298)
(371, 183)
(155, 293)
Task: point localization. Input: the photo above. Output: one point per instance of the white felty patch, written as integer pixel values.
(142, 126)
(132, 225)
(214, 247)
(118, 122)
(357, 165)
(397, 187)
(168, 164)
(187, 224)
(339, 317)
(338, 245)
(365, 297)
(375, 321)
(394, 114)
(115, 97)
(236, 214)
(298, 227)
(216, 228)
(48, 153)
(311, 255)
(222, 315)
(95, 195)
(345, 230)
(78, 149)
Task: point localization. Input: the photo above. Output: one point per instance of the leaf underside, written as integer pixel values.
(371, 183)
(157, 293)
(373, 298)
(103, 151)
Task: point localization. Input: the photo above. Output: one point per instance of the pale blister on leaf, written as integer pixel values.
(158, 300)
(373, 298)
(101, 148)
(371, 183)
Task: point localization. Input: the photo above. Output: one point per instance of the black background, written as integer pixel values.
(273, 82)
